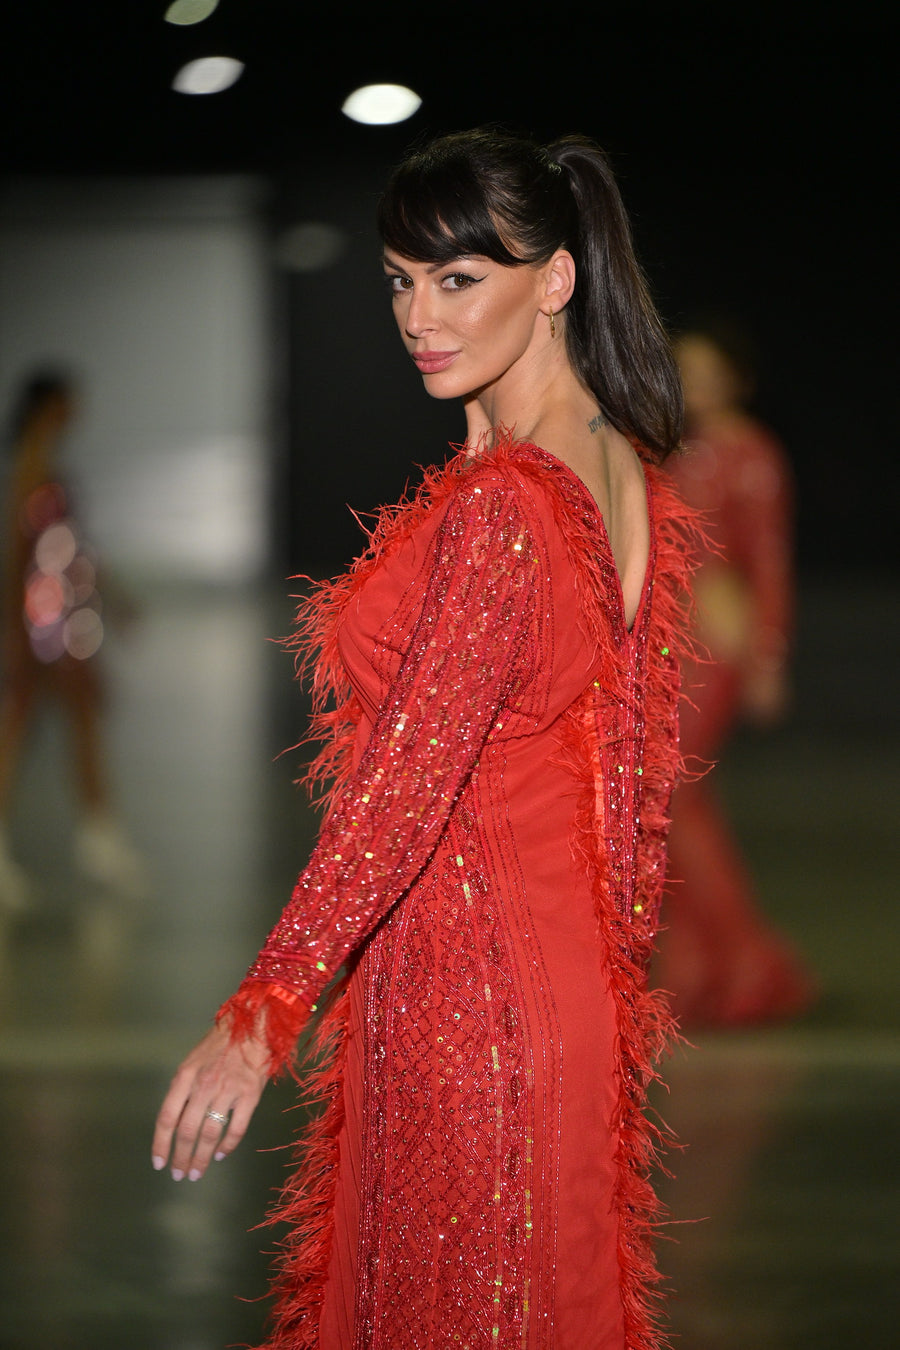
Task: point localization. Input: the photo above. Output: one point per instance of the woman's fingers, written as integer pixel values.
(200, 1145)
(195, 1139)
(221, 1129)
(217, 1143)
(170, 1115)
(237, 1126)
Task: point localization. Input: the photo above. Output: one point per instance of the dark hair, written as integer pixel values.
(33, 392)
(511, 200)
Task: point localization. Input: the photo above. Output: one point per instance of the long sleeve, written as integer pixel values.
(468, 657)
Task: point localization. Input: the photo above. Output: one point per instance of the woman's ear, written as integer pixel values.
(559, 281)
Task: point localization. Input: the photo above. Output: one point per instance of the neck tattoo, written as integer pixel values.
(596, 423)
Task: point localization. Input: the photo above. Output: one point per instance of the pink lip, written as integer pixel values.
(431, 362)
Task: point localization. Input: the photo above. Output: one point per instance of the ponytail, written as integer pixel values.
(615, 338)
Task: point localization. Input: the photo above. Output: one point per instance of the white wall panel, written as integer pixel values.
(153, 291)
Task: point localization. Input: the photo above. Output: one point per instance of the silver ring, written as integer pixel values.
(218, 1117)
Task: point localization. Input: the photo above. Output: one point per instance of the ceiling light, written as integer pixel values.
(209, 75)
(190, 11)
(379, 104)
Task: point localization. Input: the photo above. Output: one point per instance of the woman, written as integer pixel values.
(52, 629)
(502, 663)
(719, 955)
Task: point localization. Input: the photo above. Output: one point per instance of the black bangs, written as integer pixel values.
(435, 212)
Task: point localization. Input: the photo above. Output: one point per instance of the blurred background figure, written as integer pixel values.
(52, 629)
(720, 957)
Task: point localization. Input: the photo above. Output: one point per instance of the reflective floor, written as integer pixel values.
(785, 1200)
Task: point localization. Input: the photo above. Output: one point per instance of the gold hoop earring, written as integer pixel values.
(552, 325)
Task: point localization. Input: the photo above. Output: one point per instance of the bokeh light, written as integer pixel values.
(309, 246)
(43, 506)
(83, 633)
(381, 104)
(186, 12)
(56, 548)
(46, 599)
(208, 75)
(61, 602)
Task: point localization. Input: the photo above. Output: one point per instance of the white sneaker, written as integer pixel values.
(107, 858)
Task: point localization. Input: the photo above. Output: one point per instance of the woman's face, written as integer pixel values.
(465, 323)
(709, 380)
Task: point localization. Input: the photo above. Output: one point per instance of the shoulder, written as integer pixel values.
(528, 476)
(512, 472)
(491, 520)
(502, 482)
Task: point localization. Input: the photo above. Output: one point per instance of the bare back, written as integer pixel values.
(623, 506)
(611, 471)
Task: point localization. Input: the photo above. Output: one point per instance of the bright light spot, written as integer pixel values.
(209, 75)
(56, 548)
(83, 578)
(309, 247)
(190, 11)
(378, 104)
(47, 643)
(46, 504)
(83, 633)
(46, 599)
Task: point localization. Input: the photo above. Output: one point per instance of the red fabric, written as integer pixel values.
(720, 957)
(490, 869)
(739, 477)
(51, 606)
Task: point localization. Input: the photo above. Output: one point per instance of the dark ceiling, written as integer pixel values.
(86, 86)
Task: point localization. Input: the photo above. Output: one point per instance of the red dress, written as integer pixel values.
(490, 871)
(721, 958)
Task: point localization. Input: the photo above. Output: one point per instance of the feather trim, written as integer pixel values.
(645, 1027)
(268, 1009)
(306, 1202)
(336, 711)
(645, 1024)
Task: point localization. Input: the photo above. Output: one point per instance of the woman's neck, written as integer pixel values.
(532, 396)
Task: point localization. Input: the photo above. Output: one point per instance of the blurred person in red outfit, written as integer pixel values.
(52, 628)
(719, 955)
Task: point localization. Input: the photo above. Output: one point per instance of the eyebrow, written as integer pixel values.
(432, 267)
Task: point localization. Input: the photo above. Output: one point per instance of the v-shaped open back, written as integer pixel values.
(629, 615)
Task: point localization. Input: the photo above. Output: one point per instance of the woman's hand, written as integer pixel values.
(220, 1077)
